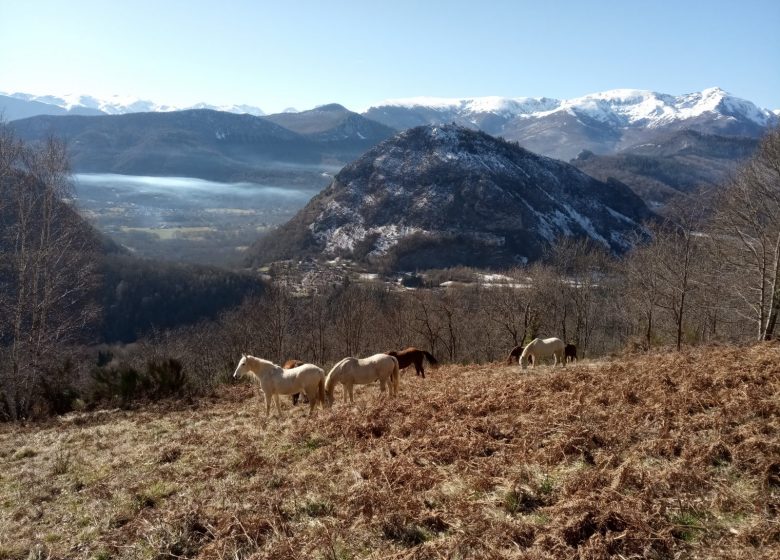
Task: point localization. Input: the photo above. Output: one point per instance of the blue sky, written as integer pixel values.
(305, 53)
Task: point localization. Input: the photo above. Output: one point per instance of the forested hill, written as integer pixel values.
(438, 196)
(63, 280)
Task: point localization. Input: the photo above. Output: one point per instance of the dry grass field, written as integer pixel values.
(661, 456)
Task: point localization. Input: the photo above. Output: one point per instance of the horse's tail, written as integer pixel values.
(431, 360)
(321, 391)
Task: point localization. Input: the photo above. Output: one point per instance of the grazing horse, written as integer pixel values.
(289, 364)
(514, 355)
(354, 371)
(414, 356)
(570, 353)
(543, 348)
(275, 381)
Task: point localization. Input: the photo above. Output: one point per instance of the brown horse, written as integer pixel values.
(570, 353)
(414, 356)
(514, 355)
(289, 364)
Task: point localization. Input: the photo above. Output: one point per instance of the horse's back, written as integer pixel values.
(375, 367)
(377, 359)
(302, 368)
(290, 364)
(302, 375)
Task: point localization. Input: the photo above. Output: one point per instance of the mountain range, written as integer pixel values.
(212, 145)
(22, 105)
(602, 123)
(660, 145)
(443, 195)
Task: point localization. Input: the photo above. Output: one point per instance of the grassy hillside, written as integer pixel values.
(654, 456)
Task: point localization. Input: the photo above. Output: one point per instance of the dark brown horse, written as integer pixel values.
(514, 356)
(414, 356)
(570, 353)
(289, 364)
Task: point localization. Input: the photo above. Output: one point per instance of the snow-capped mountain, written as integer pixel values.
(624, 107)
(600, 122)
(443, 195)
(118, 105)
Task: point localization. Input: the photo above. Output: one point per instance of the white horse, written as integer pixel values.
(543, 348)
(354, 371)
(275, 381)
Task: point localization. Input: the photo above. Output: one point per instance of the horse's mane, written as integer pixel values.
(259, 360)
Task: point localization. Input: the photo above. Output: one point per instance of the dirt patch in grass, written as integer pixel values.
(658, 456)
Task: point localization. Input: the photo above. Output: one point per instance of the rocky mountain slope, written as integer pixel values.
(437, 196)
(602, 122)
(677, 163)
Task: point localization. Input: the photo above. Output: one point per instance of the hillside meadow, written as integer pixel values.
(667, 455)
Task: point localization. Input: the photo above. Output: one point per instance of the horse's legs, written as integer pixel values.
(382, 387)
(312, 402)
(420, 369)
(278, 405)
(267, 405)
(349, 392)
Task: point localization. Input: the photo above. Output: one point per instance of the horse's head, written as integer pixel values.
(523, 360)
(241, 368)
(329, 399)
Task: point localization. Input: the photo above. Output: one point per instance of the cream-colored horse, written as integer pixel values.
(275, 381)
(354, 371)
(543, 348)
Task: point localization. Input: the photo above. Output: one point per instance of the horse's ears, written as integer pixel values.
(243, 355)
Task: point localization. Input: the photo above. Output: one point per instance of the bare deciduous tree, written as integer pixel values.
(746, 230)
(47, 265)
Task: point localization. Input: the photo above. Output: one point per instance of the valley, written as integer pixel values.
(186, 219)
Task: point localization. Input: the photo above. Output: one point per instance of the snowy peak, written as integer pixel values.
(496, 105)
(603, 122)
(120, 105)
(623, 107)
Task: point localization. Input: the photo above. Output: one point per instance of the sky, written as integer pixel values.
(301, 54)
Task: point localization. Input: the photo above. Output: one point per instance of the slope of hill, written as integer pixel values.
(135, 296)
(197, 143)
(655, 456)
(342, 130)
(672, 164)
(438, 196)
(601, 122)
(212, 145)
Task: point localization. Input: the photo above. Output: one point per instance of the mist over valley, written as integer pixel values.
(184, 218)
